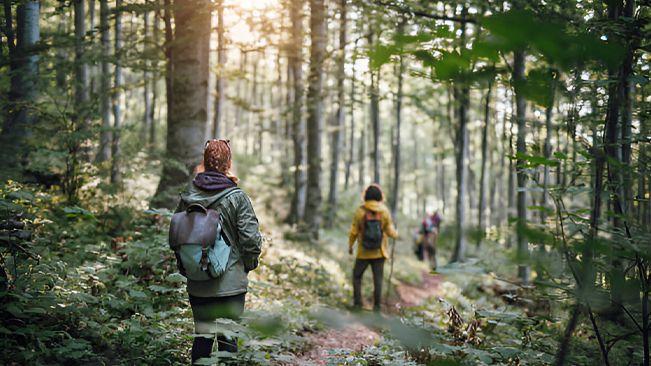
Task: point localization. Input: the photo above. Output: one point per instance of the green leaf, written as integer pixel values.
(35, 310)
(137, 294)
(175, 277)
(508, 352)
(486, 359)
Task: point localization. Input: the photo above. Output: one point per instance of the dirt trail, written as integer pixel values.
(355, 336)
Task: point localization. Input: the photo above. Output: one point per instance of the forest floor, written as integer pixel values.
(354, 337)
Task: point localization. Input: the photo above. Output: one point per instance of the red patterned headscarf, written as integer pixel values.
(217, 157)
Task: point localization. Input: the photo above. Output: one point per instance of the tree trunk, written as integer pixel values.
(351, 147)
(105, 99)
(463, 99)
(221, 81)
(154, 83)
(82, 95)
(188, 105)
(147, 118)
(396, 171)
(548, 151)
(482, 180)
(116, 146)
(362, 149)
(62, 28)
(297, 208)
(23, 92)
(524, 272)
(241, 80)
(315, 117)
(375, 116)
(338, 134)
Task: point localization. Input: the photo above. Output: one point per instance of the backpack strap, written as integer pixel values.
(227, 193)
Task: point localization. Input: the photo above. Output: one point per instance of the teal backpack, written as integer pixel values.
(197, 239)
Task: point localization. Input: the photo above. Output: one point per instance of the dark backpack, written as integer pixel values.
(197, 239)
(372, 229)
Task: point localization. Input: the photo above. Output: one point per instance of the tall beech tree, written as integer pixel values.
(116, 147)
(187, 101)
(313, 201)
(19, 116)
(105, 83)
(340, 121)
(297, 208)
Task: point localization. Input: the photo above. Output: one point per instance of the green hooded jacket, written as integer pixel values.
(241, 228)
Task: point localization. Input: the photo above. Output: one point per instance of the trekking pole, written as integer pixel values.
(393, 248)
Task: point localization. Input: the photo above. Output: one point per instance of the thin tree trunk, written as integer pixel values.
(61, 73)
(524, 271)
(116, 146)
(154, 83)
(221, 81)
(187, 93)
(482, 180)
(375, 116)
(351, 147)
(362, 149)
(338, 134)
(238, 110)
(397, 162)
(105, 99)
(82, 95)
(147, 90)
(315, 117)
(463, 99)
(548, 152)
(297, 208)
(253, 103)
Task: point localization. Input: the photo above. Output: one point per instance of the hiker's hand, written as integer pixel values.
(350, 250)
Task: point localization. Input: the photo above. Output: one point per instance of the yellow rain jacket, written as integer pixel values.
(387, 231)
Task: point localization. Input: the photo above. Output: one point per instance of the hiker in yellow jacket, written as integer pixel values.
(371, 228)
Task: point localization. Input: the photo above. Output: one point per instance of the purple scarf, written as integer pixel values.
(212, 181)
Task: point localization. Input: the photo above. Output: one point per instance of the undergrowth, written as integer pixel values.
(105, 291)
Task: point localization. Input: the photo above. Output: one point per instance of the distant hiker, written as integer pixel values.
(418, 244)
(215, 187)
(430, 232)
(371, 228)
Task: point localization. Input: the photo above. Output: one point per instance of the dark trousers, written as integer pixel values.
(207, 310)
(377, 266)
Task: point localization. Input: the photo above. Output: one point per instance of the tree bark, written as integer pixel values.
(315, 117)
(524, 271)
(117, 139)
(482, 179)
(375, 116)
(297, 208)
(62, 28)
(548, 151)
(351, 147)
(397, 162)
(338, 134)
(188, 105)
(23, 89)
(82, 95)
(462, 96)
(105, 99)
(221, 81)
(154, 83)
(148, 116)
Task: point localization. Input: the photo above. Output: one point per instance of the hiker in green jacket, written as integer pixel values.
(224, 296)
